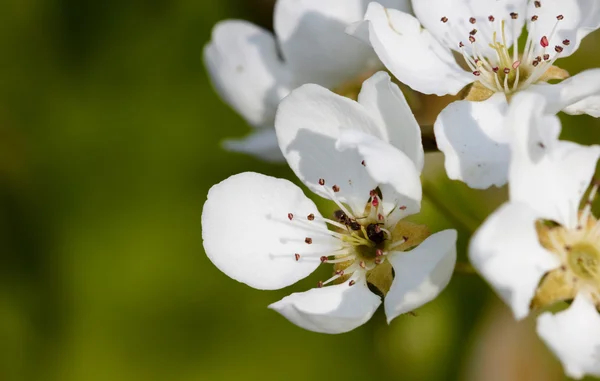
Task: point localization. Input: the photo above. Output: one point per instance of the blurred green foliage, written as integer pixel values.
(109, 142)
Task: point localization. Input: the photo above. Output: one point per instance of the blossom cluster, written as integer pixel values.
(322, 94)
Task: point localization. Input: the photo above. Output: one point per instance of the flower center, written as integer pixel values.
(499, 67)
(366, 238)
(584, 261)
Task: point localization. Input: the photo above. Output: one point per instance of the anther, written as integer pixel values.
(297, 256)
(290, 216)
(308, 240)
(534, 18)
(544, 42)
(351, 283)
(535, 63)
(372, 193)
(339, 272)
(558, 49)
(472, 39)
(444, 19)
(335, 188)
(362, 265)
(546, 57)
(514, 15)
(377, 229)
(472, 20)
(375, 201)
(321, 182)
(403, 207)
(477, 73)
(310, 217)
(566, 42)
(538, 59)
(491, 18)
(320, 284)
(506, 70)
(460, 44)
(541, 145)
(380, 217)
(495, 69)
(363, 163)
(323, 259)
(516, 64)
(473, 32)
(378, 253)
(537, 4)
(560, 17)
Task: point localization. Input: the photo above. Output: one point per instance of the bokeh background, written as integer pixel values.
(109, 142)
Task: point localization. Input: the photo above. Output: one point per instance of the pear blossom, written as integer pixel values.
(253, 69)
(540, 248)
(365, 157)
(472, 47)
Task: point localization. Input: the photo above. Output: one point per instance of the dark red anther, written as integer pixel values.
(351, 283)
(514, 15)
(460, 44)
(544, 42)
(558, 49)
(473, 32)
(290, 216)
(297, 256)
(311, 217)
(566, 42)
(535, 63)
(323, 259)
(308, 240)
(363, 163)
(444, 19)
(477, 73)
(320, 284)
(321, 182)
(537, 4)
(546, 57)
(495, 69)
(372, 193)
(534, 18)
(491, 18)
(339, 272)
(472, 39)
(506, 70)
(560, 17)
(403, 207)
(472, 20)
(375, 201)
(335, 188)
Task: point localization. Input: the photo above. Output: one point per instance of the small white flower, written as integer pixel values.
(471, 132)
(253, 70)
(538, 249)
(366, 157)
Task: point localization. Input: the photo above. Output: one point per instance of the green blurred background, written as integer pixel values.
(109, 142)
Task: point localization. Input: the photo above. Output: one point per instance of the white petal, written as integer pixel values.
(384, 100)
(331, 309)
(421, 274)
(583, 87)
(458, 26)
(548, 174)
(412, 54)
(261, 143)
(507, 253)
(589, 105)
(248, 236)
(245, 70)
(387, 165)
(580, 18)
(574, 336)
(474, 140)
(314, 43)
(309, 122)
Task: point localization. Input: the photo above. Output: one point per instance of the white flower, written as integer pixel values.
(538, 249)
(253, 70)
(366, 157)
(471, 132)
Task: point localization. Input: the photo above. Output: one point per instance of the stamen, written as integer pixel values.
(585, 214)
(308, 240)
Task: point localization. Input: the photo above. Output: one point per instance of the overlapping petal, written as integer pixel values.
(574, 336)
(248, 236)
(507, 252)
(474, 140)
(421, 274)
(332, 309)
(262, 143)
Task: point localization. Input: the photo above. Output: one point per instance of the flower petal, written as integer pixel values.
(421, 274)
(507, 253)
(574, 336)
(245, 70)
(309, 122)
(384, 100)
(580, 17)
(548, 174)
(410, 53)
(459, 13)
(331, 309)
(261, 143)
(387, 165)
(589, 105)
(248, 236)
(583, 87)
(473, 138)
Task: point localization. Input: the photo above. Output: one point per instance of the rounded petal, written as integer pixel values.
(459, 12)
(421, 274)
(412, 54)
(386, 165)
(261, 143)
(383, 99)
(574, 336)
(331, 309)
(548, 174)
(473, 138)
(507, 253)
(583, 87)
(589, 105)
(246, 71)
(309, 122)
(247, 233)
(580, 17)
